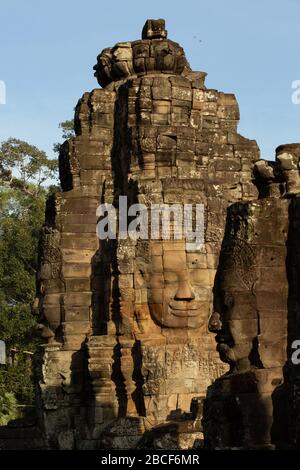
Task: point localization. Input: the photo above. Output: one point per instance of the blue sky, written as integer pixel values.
(248, 47)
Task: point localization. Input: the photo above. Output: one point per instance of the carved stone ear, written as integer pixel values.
(141, 271)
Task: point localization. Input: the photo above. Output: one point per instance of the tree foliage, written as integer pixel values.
(67, 128)
(23, 165)
(8, 407)
(23, 171)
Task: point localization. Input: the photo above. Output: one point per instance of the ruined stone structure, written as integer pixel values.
(129, 354)
(256, 315)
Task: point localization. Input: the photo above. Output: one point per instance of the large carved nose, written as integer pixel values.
(215, 323)
(184, 291)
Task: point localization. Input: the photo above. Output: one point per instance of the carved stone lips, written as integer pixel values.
(184, 308)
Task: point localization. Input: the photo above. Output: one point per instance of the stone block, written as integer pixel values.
(180, 93)
(198, 99)
(73, 342)
(78, 256)
(227, 164)
(228, 112)
(195, 119)
(162, 92)
(75, 328)
(72, 313)
(78, 285)
(160, 118)
(161, 107)
(179, 81)
(79, 228)
(156, 264)
(77, 299)
(52, 314)
(52, 299)
(166, 142)
(150, 64)
(144, 104)
(186, 145)
(180, 117)
(80, 242)
(76, 270)
(139, 65)
(53, 286)
(80, 205)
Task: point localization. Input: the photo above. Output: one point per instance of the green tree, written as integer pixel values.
(67, 133)
(8, 407)
(23, 165)
(24, 171)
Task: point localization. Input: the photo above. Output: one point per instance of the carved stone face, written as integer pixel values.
(178, 290)
(250, 291)
(235, 317)
(236, 324)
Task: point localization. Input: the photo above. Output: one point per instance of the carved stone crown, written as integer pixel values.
(153, 53)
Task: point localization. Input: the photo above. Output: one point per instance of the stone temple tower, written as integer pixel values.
(128, 351)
